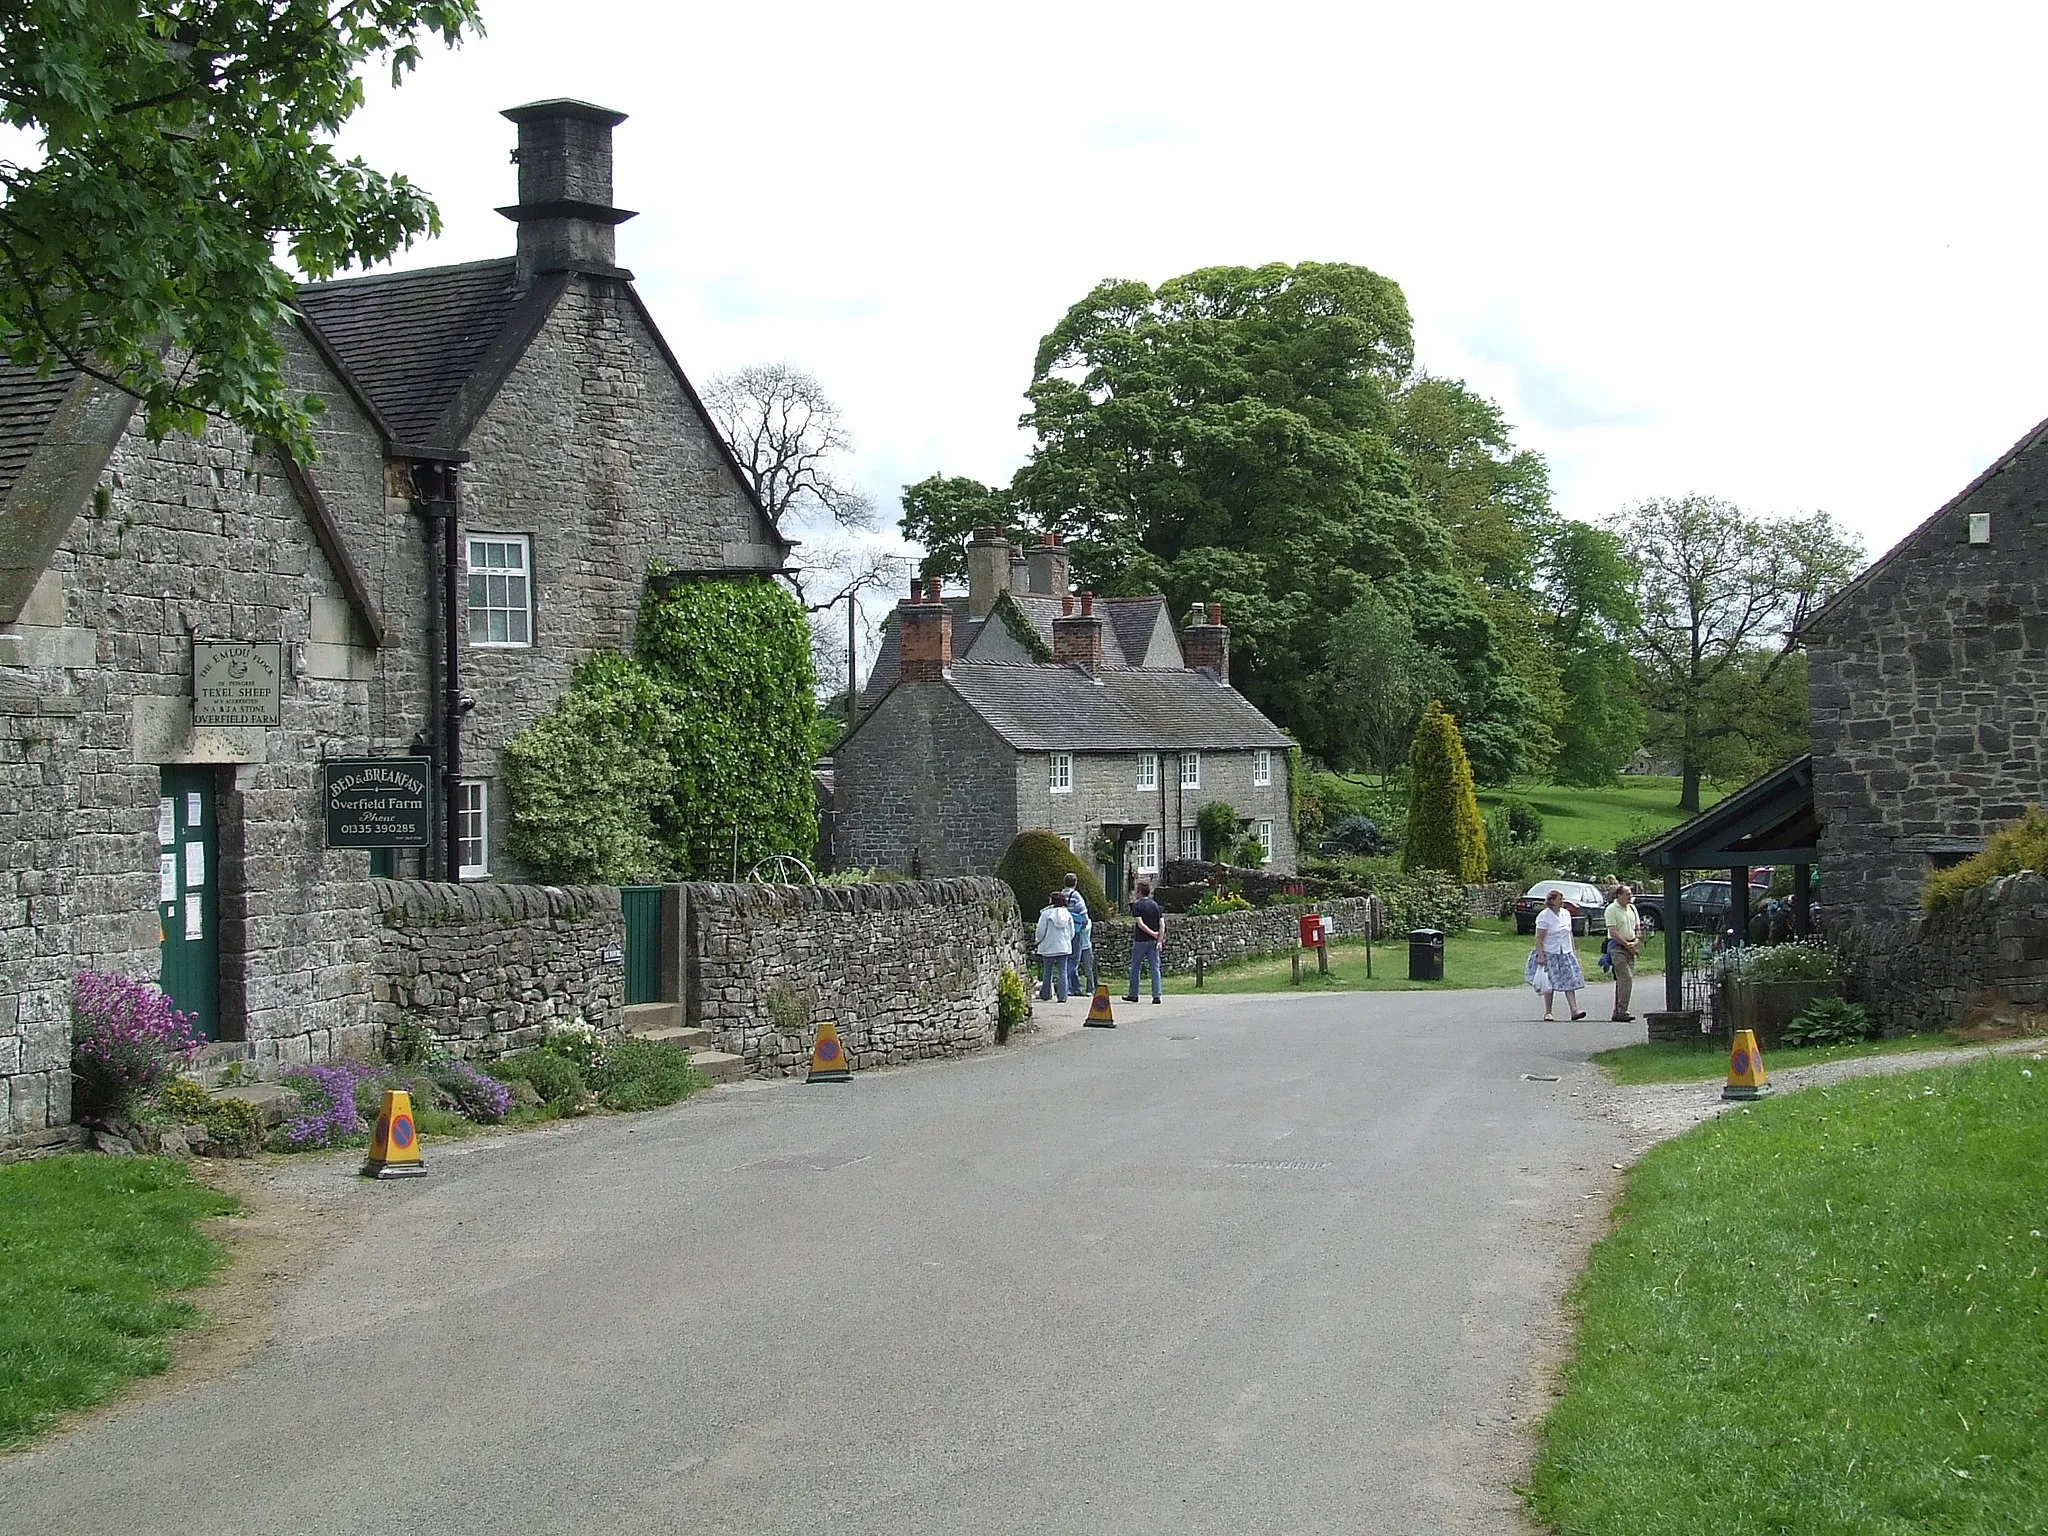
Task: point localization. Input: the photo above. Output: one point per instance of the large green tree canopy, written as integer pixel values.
(178, 142)
(1259, 437)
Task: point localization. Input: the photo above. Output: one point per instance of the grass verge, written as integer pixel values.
(1827, 1315)
(1488, 954)
(92, 1253)
(1670, 1061)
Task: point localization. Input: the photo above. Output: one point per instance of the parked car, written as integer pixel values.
(1585, 903)
(1703, 905)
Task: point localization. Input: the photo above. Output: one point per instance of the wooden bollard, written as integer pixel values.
(1198, 968)
(1297, 969)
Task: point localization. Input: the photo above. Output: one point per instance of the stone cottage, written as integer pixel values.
(1023, 705)
(1928, 676)
(505, 446)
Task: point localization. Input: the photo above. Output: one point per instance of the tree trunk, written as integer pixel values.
(1689, 788)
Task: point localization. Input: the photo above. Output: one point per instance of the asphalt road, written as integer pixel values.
(1241, 1265)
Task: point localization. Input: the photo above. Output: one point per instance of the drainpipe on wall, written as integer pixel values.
(440, 503)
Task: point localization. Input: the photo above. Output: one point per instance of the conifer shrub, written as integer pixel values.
(1445, 831)
(2023, 845)
(1036, 864)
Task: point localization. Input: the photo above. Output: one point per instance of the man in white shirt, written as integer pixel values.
(1624, 939)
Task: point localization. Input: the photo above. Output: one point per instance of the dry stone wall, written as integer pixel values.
(492, 968)
(905, 970)
(1270, 930)
(1989, 949)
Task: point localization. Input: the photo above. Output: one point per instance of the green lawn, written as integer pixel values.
(1826, 1315)
(1488, 954)
(1602, 817)
(92, 1252)
(1665, 1061)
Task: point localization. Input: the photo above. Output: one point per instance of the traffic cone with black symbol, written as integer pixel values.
(1099, 1016)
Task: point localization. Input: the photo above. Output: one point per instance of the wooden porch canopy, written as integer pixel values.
(1769, 820)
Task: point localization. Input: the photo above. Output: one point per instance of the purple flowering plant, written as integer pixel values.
(126, 1040)
(327, 1101)
(477, 1097)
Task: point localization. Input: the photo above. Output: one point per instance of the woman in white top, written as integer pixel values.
(1554, 967)
(1055, 942)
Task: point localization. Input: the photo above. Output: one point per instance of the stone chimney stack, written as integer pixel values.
(924, 634)
(565, 215)
(988, 570)
(1049, 566)
(1077, 637)
(1020, 570)
(1205, 642)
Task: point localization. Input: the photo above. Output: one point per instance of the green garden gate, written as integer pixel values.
(642, 904)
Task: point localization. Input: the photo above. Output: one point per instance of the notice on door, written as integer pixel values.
(378, 802)
(236, 682)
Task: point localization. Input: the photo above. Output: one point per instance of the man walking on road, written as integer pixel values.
(1148, 927)
(1624, 939)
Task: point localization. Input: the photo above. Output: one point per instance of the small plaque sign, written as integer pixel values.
(235, 682)
(378, 802)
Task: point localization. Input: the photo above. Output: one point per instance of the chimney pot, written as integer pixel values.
(931, 591)
(1215, 613)
(1066, 604)
(1087, 604)
(916, 589)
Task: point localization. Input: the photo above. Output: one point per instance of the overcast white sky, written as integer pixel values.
(1786, 254)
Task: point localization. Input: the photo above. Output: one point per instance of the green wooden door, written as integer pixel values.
(188, 893)
(642, 905)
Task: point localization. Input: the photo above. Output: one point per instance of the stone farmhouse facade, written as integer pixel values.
(1022, 705)
(1929, 693)
(505, 447)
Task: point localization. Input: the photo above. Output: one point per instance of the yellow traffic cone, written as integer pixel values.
(1746, 1076)
(828, 1057)
(395, 1144)
(1099, 1016)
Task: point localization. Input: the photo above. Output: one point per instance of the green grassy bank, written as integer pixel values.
(1488, 954)
(1827, 1315)
(1664, 1061)
(1602, 816)
(92, 1253)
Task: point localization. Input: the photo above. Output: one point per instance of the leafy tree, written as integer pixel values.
(178, 144)
(941, 511)
(1588, 581)
(1379, 679)
(1489, 495)
(1722, 595)
(1445, 830)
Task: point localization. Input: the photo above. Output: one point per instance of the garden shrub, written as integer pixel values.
(1037, 863)
(1218, 902)
(127, 1039)
(1829, 1021)
(1250, 854)
(1355, 834)
(1575, 861)
(234, 1125)
(579, 1044)
(1423, 899)
(413, 1043)
(1524, 821)
(555, 1078)
(1444, 828)
(2022, 845)
(1012, 1007)
(1804, 961)
(1218, 823)
(644, 1074)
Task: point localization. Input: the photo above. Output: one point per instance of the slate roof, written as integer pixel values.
(1131, 622)
(1044, 708)
(411, 340)
(28, 404)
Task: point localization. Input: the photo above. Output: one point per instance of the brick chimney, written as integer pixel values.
(1077, 637)
(924, 634)
(988, 570)
(1205, 642)
(565, 215)
(1048, 559)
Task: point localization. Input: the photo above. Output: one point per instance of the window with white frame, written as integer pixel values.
(1071, 845)
(1262, 766)
(500, 589)
(473, 828)
(1062, 775)
(1148, 852)
(1190, 843)
(1265, 834)
(1148, 770)
(1191, 770)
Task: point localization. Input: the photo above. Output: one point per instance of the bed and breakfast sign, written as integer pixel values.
(377, 802)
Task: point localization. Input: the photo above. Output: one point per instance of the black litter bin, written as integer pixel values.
(1426, 954)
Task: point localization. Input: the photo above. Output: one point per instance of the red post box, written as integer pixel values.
(1311, 930)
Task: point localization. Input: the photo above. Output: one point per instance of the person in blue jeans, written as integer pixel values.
(1148, 922)
(1055, 945)
(1081, 963)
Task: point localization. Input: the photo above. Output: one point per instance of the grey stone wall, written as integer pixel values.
(187, 540)
(594, 451)
(1926, 687)
(923, 778)
(1106, 789)
(491, 968)
(1269, 930)
(906, 970)
(1990, 948)
(1484, 902)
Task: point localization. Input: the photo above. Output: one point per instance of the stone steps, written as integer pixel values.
(719, 1066)
(639, 1018)
(663, 1023)
(692, 1039)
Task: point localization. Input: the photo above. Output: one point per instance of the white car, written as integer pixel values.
(1585, 903)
